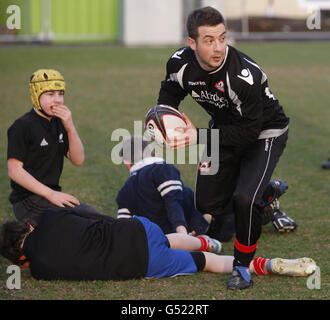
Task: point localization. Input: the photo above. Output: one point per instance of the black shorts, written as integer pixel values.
(32, 207)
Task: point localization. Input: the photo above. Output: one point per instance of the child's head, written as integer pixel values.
(12, 236)
(47, 81)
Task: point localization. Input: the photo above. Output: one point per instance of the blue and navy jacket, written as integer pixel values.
(154, 190)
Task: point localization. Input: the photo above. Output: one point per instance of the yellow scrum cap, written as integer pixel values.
(44, 80)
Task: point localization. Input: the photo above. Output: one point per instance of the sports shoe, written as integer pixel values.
(283, 223)
(326, 164)
(268, 212)
(240, 278)
(213, 244)
(279, 187)
(275, 189)
(293, 267)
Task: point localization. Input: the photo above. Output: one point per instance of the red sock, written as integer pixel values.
(260, 266)
(204, 244)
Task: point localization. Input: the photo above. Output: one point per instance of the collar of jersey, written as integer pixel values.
(145, 162)
(45, 122)
(223, 62)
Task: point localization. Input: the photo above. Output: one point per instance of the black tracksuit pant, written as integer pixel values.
(242, 176)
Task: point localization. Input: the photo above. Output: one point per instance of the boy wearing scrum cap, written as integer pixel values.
(37, 144)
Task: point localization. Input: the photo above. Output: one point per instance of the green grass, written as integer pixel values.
(109, 88)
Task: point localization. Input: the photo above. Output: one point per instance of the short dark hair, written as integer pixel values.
(11, 236)
(206, 16)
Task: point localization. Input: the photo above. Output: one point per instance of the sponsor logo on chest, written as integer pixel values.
(196, 83)
(220, 86)
(210, 97)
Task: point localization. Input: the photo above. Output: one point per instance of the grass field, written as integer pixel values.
(109, 88)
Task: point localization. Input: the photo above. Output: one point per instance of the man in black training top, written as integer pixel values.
(247, 135)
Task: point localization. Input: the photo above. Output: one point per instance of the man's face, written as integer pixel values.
(210, 46)
(50, 99)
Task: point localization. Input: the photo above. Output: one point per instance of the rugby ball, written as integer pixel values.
(160, 124)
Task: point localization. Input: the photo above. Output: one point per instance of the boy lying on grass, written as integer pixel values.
(85, 246)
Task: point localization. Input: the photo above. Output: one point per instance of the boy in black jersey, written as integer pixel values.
(87, 246)
(247, 135)
(37, 144)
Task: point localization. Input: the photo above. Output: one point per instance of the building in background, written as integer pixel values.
(278, 19)
(63, 20)
(160, 22)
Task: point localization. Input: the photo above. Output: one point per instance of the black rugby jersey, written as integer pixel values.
(67, 244)
(41, 145)
(236, 96)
